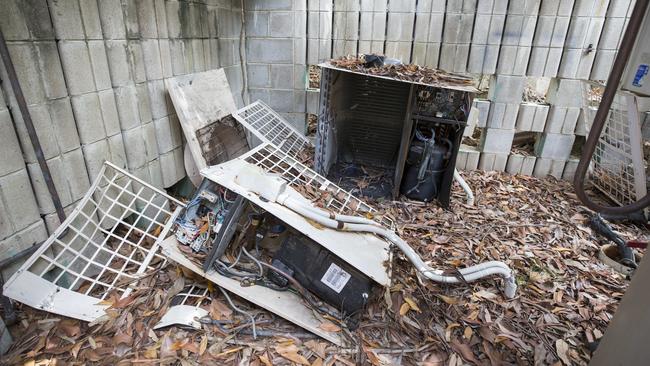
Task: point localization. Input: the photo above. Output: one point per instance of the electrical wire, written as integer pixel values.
(225, 294)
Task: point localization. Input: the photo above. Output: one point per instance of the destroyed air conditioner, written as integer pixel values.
(406, 133)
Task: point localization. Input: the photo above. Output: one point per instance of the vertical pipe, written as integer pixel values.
(29, 125)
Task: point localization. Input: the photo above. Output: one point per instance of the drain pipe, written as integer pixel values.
(465, 186)
(274, 189)
(29, 125)
(613, 82)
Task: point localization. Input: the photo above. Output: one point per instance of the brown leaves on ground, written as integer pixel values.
(566, 297)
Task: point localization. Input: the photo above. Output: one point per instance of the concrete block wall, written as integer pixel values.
(93, 73)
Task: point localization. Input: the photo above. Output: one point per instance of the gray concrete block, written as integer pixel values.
(127, 107)
(44, 130)
(570, 121)
(515, 162)
(493, 162)
(602, 64)
(50, 69)
(177, 53)
(150, 142)
(152, 62)
(270, 51)
(400, 26)
(66, 17)
(502, 115)
(25, 62)
(198, 58)
(496, 140)
(570, 169)
(99, 63)
(90, 18)
(281, 76)
(158, 98)
(528, 165)
(173, 11)
(168, 134)
(118, 63)
(537, 61)
(169, 166)
(136, 152)
(147, 18)
(89, 117)
(281, 100)
(116, 151)
(12, 159)
(554, 146)
(483, 107)
(136, 61)
(553, 62)
(257, 24)
(281, 24)
(532, 117)
(144, 104)
(108, 108)
(545, 167)
(129, 8)
(13, 22)
(19, 199)
(584, 122)
(112, 19)
(43, 198)
(95, 155)
(64, 124)
(506, 89)
(76, 64)
(23, 239)
(165, 58)
(161, 18)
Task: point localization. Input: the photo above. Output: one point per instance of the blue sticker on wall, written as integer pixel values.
(640, 73)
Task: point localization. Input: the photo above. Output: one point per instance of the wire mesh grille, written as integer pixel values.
(193, 295)
(309, 183)
(109, 240)
(270, 127)
(613, 164)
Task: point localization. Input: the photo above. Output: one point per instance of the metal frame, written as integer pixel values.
(618, 166)
(109, 240)
(366, 252)
(269, 126)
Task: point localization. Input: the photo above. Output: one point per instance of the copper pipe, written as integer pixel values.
(613, 82)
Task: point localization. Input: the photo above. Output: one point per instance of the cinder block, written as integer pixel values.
(152, 62)
(281, 24)
(503, 115)
(25, 61)
(44, 130)
(168, 134)
(144, 105)
(532, 117)
(570, 169)
(76, 175)
(109, 111)
(496, 140)
(172, 167)
(14, 26)
(43, 198)
(177, 53)
(136, 152)
(545, 167)
(90, 18)
(161, 18)
(112, 19)
(165, 58)
(257, 24)
(66, 17)
(52, 221)
(528, 165)
(116, 151)
(493, 162)
(147, 18)
(76, 63)
(130, 11)
(127, 107)
(95, 155)
(584, 122)
(565, 93)
(198, 57)
(64, 125)
(136, 61)
(553, 62)
(515, 161)
(506, 89)
(158, 98)
(554, 146)
(118, 63)
(150, 143)
(281, 76)
(12, 159)
(270, 50)
(19, 199)
(99, 64)
(50, 69)
(18, 241)
(89, 117)
(173, 19)
(483, 107)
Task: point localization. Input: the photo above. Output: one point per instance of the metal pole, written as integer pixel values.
(31, 131)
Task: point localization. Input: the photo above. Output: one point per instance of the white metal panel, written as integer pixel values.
(366, 252)
(199, 100)
(283, 303)
(269, 126)
(186, 308)
(109, 240)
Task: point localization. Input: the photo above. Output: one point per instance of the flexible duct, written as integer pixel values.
(465, 186)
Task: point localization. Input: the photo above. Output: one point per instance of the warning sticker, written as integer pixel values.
(641, 72)
(335, 278)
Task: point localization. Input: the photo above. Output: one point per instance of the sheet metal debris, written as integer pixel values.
(101, 250)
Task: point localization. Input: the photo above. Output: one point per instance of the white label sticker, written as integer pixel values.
(335, 278)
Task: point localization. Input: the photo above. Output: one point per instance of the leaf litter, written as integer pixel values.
(565, 300)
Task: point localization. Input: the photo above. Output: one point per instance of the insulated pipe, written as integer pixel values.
(468, 274)
(627, 44)
(465, 186)
(333, 216)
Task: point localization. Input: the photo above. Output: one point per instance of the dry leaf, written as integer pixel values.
(265, 360)
(203, 345)
(412, 304)
(290, 352)
(562, 349)
(404, 309)
(329, 327)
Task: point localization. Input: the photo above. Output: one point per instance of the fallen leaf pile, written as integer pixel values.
(565, 300)
(410, 72)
